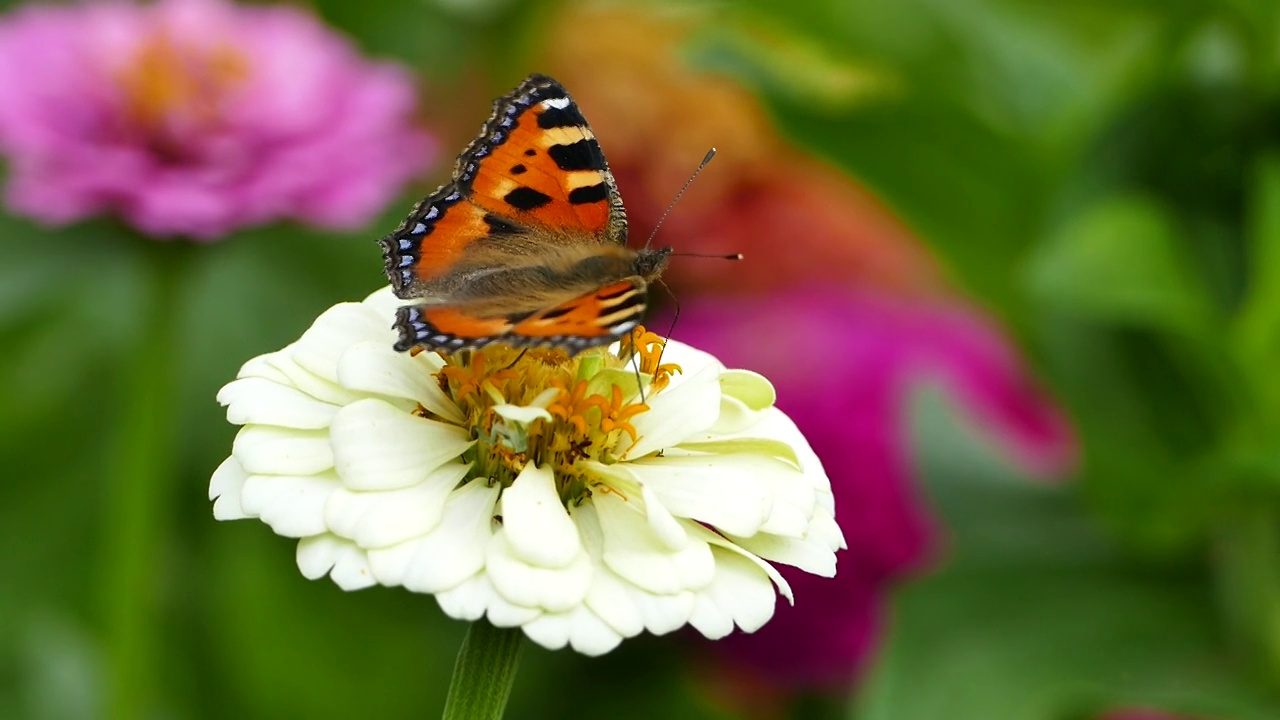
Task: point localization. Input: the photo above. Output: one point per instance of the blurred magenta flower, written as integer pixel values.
(844, 363)
(843, 360)
(197, 117)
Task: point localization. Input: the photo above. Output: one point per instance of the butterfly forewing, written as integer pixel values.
(525, 193)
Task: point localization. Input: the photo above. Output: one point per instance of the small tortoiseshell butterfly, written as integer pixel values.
(527, 244)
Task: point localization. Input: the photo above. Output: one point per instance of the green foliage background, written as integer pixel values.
(1103, 176)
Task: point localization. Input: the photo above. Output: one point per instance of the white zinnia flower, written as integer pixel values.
(544, 494)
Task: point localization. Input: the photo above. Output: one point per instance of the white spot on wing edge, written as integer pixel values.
(559, 103)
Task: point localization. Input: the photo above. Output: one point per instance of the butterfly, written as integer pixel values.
(527, 243)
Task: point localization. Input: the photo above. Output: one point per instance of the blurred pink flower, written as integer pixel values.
(843, 363)
(196, 117)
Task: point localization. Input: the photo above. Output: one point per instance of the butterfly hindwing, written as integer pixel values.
(595, 318)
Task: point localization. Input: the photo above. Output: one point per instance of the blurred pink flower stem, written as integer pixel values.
(844, 363)
(140, 476)
(197, 117)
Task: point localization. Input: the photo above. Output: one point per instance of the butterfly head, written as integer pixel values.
(650, 263)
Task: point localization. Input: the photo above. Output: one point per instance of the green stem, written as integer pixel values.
(483, 673)
(139, 475)
(1248, 576)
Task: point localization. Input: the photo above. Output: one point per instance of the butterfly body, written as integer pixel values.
(526, 245)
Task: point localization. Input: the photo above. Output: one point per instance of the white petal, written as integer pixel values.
(726, 491)
(775, 424)
(677, 413)
(579, 628)
(635, 553)
(794, 500)
(535, 521)
(468, 600)
(823, 529)
(620, 479)
(224, 490)
(668, 530)
(552, 589)
(377, 446)
(741, 445)
(505, 614)
(268, 450)
(317, 555)
(741, 594)
(609, 596)
(690, 359)
(263, 367)
(307, 381)
(337, 329)
(720, 543)
(374, 367)
(449, 554)
(384, 302)
(256, 401)
(745, 395)
(663, 613)
(523, 414)
(808, 555)
(345, 563)
(735, 418)
(475, 598)
(750, 388)
(381, 518)
(293, 505)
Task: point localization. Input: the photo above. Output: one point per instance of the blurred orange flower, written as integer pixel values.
(796, 220)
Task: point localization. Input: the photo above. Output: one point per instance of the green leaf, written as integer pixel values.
(1256, 331)
(1121, 262)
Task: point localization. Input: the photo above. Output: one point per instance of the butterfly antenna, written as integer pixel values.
(635, 365)
(518, 358)
(675, 317)
(663, 218)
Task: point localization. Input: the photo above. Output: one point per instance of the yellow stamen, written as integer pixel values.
(591, 411)
(165, 79)
(647, 345)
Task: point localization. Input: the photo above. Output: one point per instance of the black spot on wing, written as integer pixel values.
(507, 110)
(589, 194)
(530, 152)
(498, 226)
(518, 169)
(526, 198)
(582, 155)
(561, 117)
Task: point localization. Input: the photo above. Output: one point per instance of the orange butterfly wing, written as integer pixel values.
(535, 177)
(596, 318)
(535, 166)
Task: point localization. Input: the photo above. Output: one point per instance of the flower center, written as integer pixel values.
(546, 407)
(168, 83)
